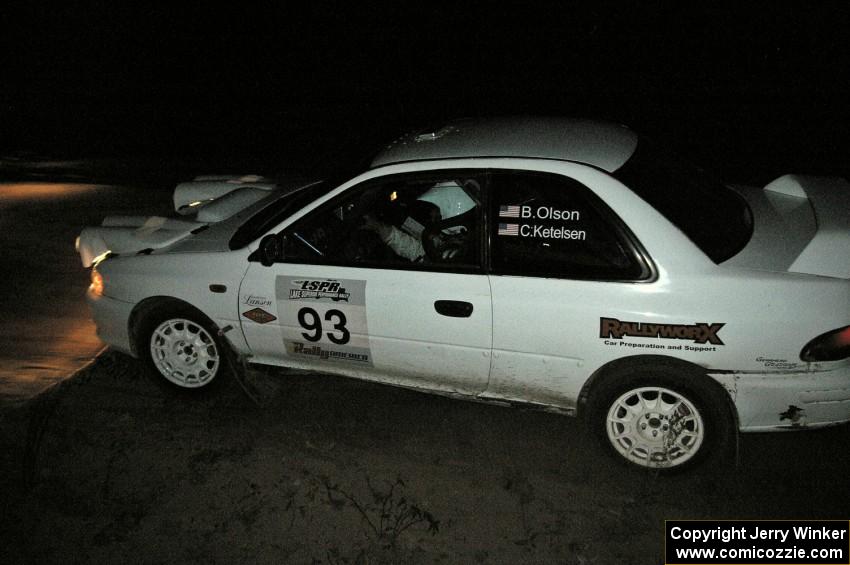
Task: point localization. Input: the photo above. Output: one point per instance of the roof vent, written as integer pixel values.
(432, 135)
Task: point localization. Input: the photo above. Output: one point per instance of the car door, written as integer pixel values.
(358, 292)
(561, 260)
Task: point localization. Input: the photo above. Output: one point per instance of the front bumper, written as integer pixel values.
(112, 318)
(787, 401)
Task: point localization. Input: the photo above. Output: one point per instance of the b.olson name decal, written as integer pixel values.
(540, 213)
(698, 333)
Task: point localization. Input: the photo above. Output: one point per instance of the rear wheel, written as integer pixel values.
(655, 426)
(664, 417)
(181, 346)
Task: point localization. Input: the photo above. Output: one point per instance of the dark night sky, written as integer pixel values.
(742, 90)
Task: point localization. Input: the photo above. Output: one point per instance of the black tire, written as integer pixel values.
(661, 415)
(181, 347)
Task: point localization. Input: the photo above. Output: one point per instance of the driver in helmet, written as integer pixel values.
(443, 201)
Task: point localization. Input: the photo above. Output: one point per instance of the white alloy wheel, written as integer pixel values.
(184, 353)
(655, 427)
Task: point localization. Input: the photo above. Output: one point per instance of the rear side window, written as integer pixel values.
(714, 217)
(550, 225)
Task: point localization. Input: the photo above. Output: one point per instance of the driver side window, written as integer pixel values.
(401, 222)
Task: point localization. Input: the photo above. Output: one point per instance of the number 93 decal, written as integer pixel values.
(323, 319)
(309, 320)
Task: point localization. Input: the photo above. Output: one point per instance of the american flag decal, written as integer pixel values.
(508, 229)
(509, 211)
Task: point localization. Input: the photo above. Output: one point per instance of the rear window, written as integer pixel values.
(712, 215)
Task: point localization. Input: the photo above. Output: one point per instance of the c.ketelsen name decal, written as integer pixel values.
(699, 332)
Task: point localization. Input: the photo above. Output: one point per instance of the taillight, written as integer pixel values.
(830, 346)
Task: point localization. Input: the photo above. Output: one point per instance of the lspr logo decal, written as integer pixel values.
(318, 289)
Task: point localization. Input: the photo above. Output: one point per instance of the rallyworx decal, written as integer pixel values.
(324, 319)
(538, 231)
(699, 333)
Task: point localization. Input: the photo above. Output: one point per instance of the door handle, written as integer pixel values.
(453, 308)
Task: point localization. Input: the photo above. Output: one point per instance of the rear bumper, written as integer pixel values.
(788, 401)
(111, 317)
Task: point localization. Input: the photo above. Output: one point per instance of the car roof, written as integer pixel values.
(601, 144)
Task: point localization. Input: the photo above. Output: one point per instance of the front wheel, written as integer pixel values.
(182, 348)
(662, 418)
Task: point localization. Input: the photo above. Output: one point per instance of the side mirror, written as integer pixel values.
(270, 250)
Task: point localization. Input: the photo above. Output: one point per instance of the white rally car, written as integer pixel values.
(568, 264)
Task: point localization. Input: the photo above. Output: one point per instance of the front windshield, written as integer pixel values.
(281, 208)
(712, 215)
(277, 211)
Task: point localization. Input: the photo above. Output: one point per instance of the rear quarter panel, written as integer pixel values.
(550, 335)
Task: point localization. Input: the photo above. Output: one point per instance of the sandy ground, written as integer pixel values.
(45, 329)
(108, 466)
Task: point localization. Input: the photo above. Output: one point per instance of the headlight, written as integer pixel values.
(830, 346)
(96, 282)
